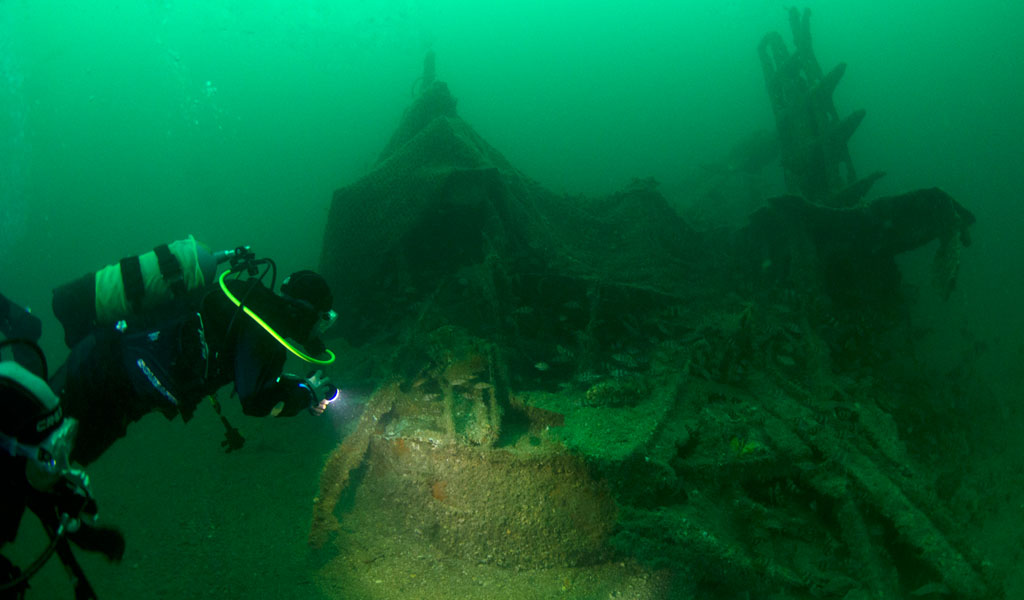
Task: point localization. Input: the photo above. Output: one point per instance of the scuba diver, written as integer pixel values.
(35, 442)
(160, 332)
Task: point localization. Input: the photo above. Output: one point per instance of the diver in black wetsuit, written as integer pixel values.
(169, 361)
(35, 471)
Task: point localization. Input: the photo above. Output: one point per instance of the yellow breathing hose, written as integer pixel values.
(270, 330)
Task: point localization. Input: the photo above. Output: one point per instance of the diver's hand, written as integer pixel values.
(324, 392)
(92, 536)
(72, 495)
(319, 408)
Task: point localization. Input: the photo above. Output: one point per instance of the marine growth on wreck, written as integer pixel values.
(592, 398)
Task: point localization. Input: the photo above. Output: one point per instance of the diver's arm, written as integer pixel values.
(286, 397)
(261, 387)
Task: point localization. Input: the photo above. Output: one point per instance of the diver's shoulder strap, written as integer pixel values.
(171, 270)
(134, 286)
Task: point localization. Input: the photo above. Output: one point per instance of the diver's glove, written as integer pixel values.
(79, 519)
(93, 537)
(297, 394)
(324, 392)
(73, 497)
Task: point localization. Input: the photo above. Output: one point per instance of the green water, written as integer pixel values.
(126, 124)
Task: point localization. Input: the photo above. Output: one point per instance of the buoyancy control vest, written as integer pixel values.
(133, 286)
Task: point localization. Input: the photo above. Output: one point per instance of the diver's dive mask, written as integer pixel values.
(325, 321)
(311, 300)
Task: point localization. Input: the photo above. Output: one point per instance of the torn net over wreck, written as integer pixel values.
(591, 384)
(445, 229)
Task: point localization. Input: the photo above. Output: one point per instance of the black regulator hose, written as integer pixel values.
(32, 569)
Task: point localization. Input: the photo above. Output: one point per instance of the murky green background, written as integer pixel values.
(126, 124)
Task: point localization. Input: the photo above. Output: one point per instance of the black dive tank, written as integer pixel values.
(132, 286)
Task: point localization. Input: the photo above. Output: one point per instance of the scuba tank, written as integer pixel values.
(133, 286)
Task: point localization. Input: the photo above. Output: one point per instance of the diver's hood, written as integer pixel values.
(34, 427)
(30, 409)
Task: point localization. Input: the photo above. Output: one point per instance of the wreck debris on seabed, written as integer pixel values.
(590, 399)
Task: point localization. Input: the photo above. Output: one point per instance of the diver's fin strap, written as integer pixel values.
(131, 278)
(170, 268)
